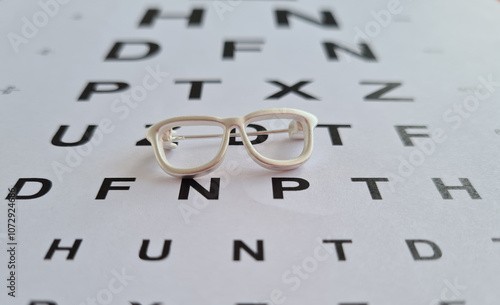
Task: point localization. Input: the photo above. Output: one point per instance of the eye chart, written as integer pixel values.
(399, 203)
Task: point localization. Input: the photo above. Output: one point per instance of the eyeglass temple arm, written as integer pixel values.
(169, 137)
(254, 133)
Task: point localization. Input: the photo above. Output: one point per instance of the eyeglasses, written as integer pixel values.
(188, 146)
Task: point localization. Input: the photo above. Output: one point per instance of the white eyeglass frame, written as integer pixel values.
(157, 132)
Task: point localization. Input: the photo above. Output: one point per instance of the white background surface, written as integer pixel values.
(439, 50)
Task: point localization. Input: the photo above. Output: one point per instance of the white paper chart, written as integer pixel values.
(399, 203)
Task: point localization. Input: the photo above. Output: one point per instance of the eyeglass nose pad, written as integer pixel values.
(168, 139)
(295, 130)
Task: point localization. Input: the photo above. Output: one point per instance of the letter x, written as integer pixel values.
(285, 89)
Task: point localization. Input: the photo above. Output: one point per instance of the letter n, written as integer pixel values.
(187, 183)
